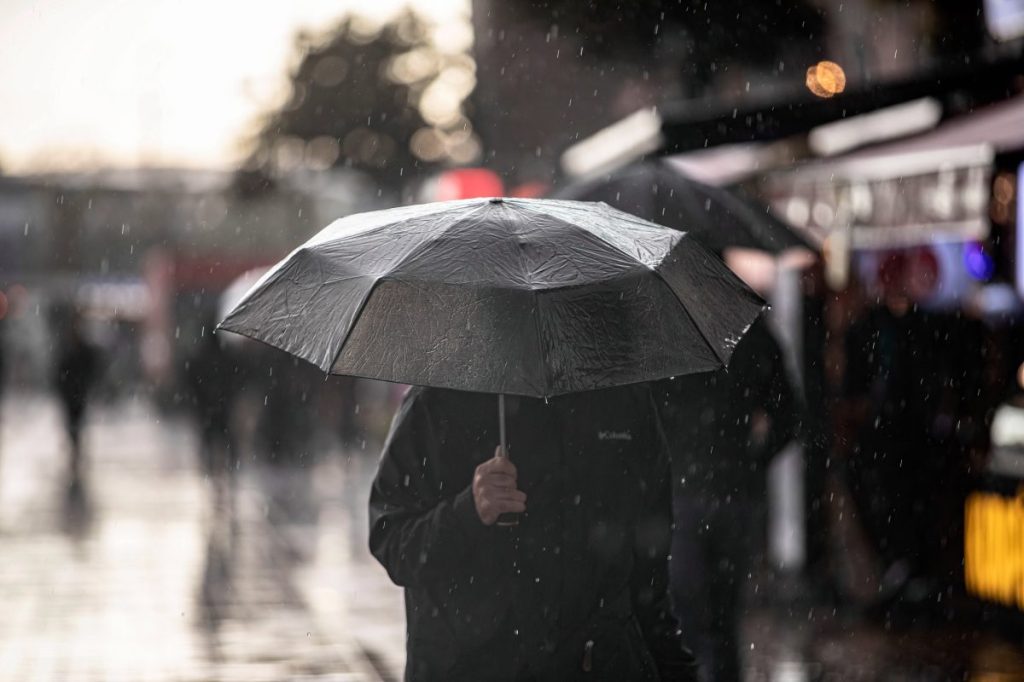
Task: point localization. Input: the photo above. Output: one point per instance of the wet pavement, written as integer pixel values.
(139, 575)
(803, 646)
(143, 573)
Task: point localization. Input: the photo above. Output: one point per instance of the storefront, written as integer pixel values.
(939, 213)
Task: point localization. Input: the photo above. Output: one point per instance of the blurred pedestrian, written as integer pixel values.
(910, 420)
(285, 427)
(3, 351)
(723, 430)
(349, 428)
(579, 588)
(77, 370)
(213, 379)
(3, 373)
(816, 434)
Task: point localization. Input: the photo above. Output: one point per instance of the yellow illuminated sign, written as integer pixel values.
(994, 547)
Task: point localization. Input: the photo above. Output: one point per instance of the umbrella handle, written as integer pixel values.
(508, 518)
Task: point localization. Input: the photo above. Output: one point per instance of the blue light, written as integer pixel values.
(979, 264)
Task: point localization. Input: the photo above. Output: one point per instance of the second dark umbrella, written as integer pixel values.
(716, 218)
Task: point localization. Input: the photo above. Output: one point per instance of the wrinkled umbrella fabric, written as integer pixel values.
(529, 297)
(715, 217)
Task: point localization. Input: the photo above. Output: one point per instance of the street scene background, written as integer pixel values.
(182, 505)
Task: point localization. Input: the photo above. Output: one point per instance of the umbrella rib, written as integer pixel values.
(714, 349)
(656, 271)
(352, 325)
(689, 315)
(417, 211)
(548, 382)
(426, 243)
(631, 218)
(587, 234)
(373, 287)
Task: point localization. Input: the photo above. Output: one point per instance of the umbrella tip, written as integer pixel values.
(497, 200)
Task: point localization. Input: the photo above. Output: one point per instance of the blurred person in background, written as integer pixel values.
(77, 371)
(816, 433)
(723, 429)
(3, 349)
(287, 427)
(350, 433)
(911, 414)
(213, 378)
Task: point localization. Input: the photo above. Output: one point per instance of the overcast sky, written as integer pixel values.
(157, 82)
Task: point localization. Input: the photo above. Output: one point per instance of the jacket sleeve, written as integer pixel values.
(649, 581)
(419, 531)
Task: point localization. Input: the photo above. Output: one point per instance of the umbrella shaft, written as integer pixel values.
(502, 439)
(508, 518)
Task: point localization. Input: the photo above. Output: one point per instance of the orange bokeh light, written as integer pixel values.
(826, 79)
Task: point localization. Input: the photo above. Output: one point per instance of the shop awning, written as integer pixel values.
(1000, 126)
(692, 125)
(934, 185)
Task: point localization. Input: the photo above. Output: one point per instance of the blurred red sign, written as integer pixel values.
(468, 183)
(212, 273)
(530, 190)
(912, 272)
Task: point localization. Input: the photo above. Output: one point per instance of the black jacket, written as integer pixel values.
(578, 589)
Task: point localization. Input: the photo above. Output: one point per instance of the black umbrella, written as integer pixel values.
(717, 218)
(524, 296)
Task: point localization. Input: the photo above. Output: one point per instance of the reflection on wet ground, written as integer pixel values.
(140, 572)
(851, 650)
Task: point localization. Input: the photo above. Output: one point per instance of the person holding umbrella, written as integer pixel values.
(578, 588)
(565, 310)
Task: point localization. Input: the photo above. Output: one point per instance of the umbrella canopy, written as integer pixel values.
(237, 290)
(234, 293)
(521, 296)
(716, 218)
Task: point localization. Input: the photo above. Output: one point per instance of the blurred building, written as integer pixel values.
(553, 73)
(887, 132)
(144, 254)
